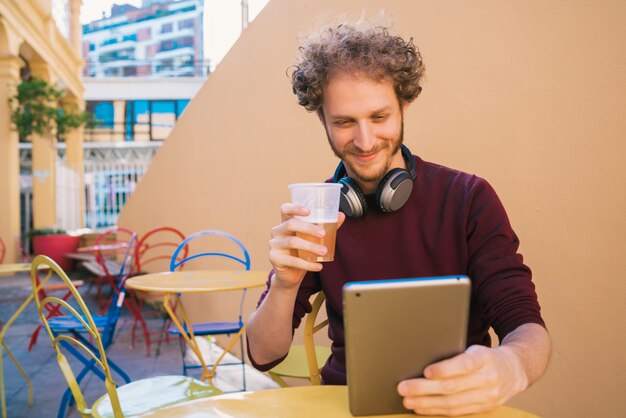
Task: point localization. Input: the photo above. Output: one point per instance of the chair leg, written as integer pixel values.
(65, 401)
(243, 362)
(181, 342)
(33, 338)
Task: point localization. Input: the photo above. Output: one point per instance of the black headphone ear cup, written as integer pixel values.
(394, 190)
(352, 201)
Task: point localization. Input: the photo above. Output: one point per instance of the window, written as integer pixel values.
(185, 24)
(167, 45)
(109, 41)
(167, 28)
(103, 112)
(130, 71)
(180, 106)
(163, 118)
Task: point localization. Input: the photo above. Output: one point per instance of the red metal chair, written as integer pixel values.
(107, 248)
(153, 254)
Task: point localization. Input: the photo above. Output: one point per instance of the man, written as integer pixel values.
(360, 81)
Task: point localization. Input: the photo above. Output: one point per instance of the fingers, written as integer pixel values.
(287, 239)
(470, 382)
(463, 403)
(467, 362)
(289, 210)
(425, 387)
(281, 261)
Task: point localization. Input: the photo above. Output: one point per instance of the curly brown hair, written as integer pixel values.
(347, 48)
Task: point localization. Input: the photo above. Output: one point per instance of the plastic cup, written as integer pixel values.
(322, 200)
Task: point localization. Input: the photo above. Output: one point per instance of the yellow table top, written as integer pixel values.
(17, 267)
(301, 402)
(198, 281)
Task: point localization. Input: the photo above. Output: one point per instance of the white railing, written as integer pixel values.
(107, 187)
(69, 196)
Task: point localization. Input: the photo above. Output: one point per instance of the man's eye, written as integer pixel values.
(342, 123)
(380, 117)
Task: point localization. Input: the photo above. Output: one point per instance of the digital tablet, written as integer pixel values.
(394, 329)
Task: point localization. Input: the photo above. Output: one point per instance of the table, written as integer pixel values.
(171, 284)
(17, 268)
(103, 247)
(301, 402)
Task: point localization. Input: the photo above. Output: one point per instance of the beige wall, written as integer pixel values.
(529, 95)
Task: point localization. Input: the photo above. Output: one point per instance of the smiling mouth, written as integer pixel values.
(365, 157)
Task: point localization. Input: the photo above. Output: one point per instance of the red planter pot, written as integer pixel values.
(55, 247)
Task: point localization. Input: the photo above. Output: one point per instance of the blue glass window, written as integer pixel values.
(104, 113)
(180, 106)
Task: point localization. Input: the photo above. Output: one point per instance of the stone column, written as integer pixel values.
(74, 157)
(9, 161)
(75, 28)
(44, 156)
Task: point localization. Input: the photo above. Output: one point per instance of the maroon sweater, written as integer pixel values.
(453, 223)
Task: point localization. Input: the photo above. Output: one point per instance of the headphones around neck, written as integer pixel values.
(392, 192)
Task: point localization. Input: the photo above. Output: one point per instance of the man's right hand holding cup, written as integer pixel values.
(306, 235)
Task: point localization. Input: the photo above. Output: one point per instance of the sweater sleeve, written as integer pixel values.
(502, 284)
(310, 285)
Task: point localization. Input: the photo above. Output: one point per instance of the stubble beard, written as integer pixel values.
(350, 149)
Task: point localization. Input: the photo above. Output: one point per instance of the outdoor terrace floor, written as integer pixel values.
(42, 368)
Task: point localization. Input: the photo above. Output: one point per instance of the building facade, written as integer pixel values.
(160, 39)
(33, 45)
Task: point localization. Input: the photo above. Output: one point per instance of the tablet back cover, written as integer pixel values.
(394, 329)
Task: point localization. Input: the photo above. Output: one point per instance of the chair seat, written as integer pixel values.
(295, 364)
(145, 395)
(211, 328)
(69, 323)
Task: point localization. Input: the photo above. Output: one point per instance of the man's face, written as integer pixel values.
(364, 125)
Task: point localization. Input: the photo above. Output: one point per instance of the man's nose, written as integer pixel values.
(364, 137)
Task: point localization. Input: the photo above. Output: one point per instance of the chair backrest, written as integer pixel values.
(117, 300)
(310, 328)
(157, 245)
(176, 261)
(62, 343)
(111, 237)
(3, 250)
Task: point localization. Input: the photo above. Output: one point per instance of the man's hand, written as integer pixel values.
(269, 327)
(477, 380)
(481, 378)
(288, 267)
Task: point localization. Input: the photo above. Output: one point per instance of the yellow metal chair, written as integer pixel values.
(305, 361)
(132, 399)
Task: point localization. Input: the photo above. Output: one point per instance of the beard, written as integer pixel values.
(393, 145)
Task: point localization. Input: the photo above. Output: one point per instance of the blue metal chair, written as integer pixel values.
(213, 328)
(72, 325)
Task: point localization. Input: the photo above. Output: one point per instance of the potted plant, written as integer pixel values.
(38, 107)
(54, 243)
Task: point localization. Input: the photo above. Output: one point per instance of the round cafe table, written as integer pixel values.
(301, 402)
(171, 284)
